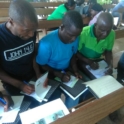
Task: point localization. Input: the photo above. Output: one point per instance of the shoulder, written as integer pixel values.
(49, 39)
(86, 30)
(112, 33)
(61, 6)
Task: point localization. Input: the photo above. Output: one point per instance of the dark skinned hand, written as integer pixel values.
(109, 71)
(9, 102)
(94, 65)
(27, 88)
(65, 77)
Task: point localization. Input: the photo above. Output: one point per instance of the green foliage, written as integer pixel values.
(104, 1)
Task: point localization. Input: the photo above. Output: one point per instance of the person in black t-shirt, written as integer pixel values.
(17, 46)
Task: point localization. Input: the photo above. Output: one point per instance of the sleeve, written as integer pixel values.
(76, 45)
(111, 41)
(43, 54)
(81, 40)
(81, 9)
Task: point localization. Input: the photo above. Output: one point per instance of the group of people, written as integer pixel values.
(93, 10)
(63, 49)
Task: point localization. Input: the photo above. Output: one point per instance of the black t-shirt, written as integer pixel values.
(16, 55)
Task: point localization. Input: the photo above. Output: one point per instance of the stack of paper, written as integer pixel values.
(47, 113)
(10, 116)
(103, 86)
(40, 90)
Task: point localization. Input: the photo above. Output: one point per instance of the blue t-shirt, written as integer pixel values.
(53, 52)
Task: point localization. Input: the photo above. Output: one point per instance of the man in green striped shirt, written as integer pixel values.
(96, 40)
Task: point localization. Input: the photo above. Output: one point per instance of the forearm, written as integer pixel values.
(74, 64)
(52, 70)
(36, 68)
(83, 59)
(10, 80)
(109, 58)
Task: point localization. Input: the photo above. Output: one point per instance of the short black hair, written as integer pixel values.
(20, 10)
(72, 18)
(92, 1)
(97, 7)
(70, 3)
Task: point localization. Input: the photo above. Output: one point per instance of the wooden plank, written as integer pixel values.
(46, 4)
(45, 24)
(94, 111)
(43, 11)
(35, 4)
(3, 19)
(4, 4)
(4, 12)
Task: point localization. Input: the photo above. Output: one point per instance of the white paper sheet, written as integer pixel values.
(43, 111)
(100, 71)
(71, 83)
(104, 85)
(116, 20)
(10, 116)
(17, 101)
(40, 90)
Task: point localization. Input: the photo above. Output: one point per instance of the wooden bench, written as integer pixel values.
(35, 4)
(95, 110)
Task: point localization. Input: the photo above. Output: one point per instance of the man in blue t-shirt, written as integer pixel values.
(57, 50)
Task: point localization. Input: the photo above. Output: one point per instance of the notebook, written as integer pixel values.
(47, 113)
(103, 86)
(43, 93)
(98, 87)
(100, 71)
(74, 88)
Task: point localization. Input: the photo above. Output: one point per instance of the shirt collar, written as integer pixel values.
(91, 31)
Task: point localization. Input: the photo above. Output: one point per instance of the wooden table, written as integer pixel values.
(96, 110)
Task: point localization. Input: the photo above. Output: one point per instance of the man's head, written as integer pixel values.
(71, 27)
(23, 19)
(92, 1)
(79, 2)
(95, 9)
(103, 25)
(70, 4)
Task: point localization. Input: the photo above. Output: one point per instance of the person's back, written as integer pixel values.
(59, 12)
(96, 10)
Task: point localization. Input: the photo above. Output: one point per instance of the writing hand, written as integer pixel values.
(45, 84)
(65, 77)
(94, 65)
(9, 102)
(109, 71)
(78, 75)
(27, 88)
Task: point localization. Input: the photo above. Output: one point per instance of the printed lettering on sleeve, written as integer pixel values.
(18, 52)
